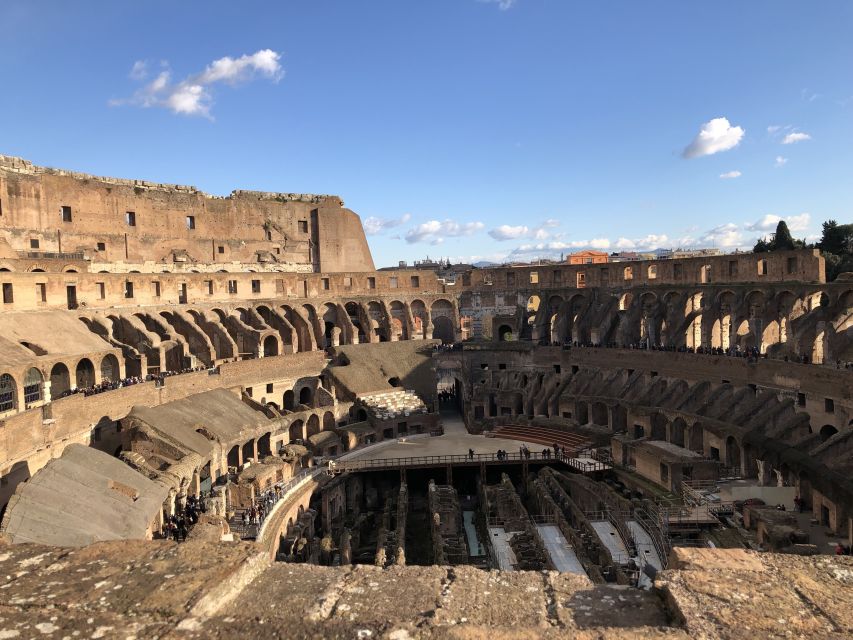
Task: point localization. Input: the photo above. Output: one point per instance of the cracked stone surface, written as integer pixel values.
(142, 590)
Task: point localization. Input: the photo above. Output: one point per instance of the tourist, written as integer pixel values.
(470, 454)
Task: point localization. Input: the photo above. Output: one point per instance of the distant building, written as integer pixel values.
(588, 257)
(695, 253)
(625, 256)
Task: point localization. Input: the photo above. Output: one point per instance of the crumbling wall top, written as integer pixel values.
(13, 164)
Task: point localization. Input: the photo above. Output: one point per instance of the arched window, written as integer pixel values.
(8, 393)
(33, 387)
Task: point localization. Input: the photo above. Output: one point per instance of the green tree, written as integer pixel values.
(836, 246)
(782, 240)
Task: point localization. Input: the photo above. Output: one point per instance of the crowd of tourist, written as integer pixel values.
(261, 507)
(752, 354)
(110, 385)
(453, 346)
(177, 526)
(447, 395)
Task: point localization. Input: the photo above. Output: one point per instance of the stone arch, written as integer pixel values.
(354, 312)
(443, 330)
(827, 431)
(600, 414)
(328, 421)
(619, 418)
(697, 438)
(313, 425)
(555, 303)
(420, 318)
(249, 450)
(264, 445)
(443, 320)
(376, 315)
(110, 370)
(733, 453)
(659, 424)
(582, 412)
(33, 387)
(505, 333)
(331, 331)
(287, 401)
(233, 458)
(306, 396)
(399, 324)
(626, 299)
(677, 432)
(84, 374)
(8, 393)
(270, 346)
(296, 430)
(60, 380)
(300, 326)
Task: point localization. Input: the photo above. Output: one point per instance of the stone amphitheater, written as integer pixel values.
(219, 419)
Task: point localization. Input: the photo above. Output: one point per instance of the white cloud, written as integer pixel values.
(715, 136)
(503, 5)
(773, 128)
(768, 223)
(434, 231)
(230, 70)
(651, 241)
(192, 95)
(539, 232)
(728, 175)
(780, 161)
(796, 136)
(506, 232)
(374, 226)
(724, 236)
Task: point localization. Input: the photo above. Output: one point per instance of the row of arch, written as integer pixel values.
(810, 322)
(39, 386)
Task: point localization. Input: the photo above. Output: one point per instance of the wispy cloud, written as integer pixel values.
(729, 175)
(193, 96)
(375, 226)
(796, 136)
(780, 161)
(503, 5)
(435, 231)
(715, 136)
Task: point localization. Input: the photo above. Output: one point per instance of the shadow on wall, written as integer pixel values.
(18, 474)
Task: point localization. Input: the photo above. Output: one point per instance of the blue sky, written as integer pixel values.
(472, 129)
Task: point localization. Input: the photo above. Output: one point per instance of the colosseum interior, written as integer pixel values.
(218, 419)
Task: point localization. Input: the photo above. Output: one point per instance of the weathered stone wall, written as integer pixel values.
(227, 591)
(295, 231)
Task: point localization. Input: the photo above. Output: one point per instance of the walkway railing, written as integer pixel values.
(253, 530)
(478, 458)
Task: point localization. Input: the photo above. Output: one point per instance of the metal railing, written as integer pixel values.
(284, 490)
(461, 459)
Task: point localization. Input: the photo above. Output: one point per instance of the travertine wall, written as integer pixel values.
(298, 232)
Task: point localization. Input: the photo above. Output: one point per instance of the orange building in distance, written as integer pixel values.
(588, 257)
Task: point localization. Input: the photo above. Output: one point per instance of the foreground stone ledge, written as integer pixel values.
(198, 589)
(733, 593)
